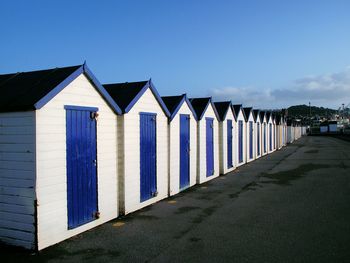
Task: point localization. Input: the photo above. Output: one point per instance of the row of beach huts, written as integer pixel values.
(75, 154)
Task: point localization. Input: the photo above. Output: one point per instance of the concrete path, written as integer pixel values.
(290, 206)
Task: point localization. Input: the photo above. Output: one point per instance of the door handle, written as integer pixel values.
(94, 162)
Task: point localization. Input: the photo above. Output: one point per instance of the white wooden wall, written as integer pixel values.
(251, 118)
(256, 137)
(174, 150)
(130, 182)
(17, 178)
(274, 146)
(223, 143)
(262, 137)
(201, 147)
(51, 162)
(268, 135)
(290, 134)
(240, 117)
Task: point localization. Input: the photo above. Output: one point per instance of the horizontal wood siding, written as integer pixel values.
(174, 169)
(51, 162)
(17, 178)
(201, 144)
(131, 200)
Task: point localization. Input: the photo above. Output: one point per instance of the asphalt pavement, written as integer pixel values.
(290, 206)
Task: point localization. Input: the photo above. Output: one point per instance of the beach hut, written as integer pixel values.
(227, 124)
(182, 143)
(143, 144)
(274, 135)
(207, 139)
(290, 131)
(250, 138)
(263, 121)
(241, 150)
(284, 135)
(279, 131)
(270, 132)
(257, 133)
(58, 156)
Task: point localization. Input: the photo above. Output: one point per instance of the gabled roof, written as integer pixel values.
(126, 94)
(247, 112)
(256, 114)
(237, 108)
(262, 115)
(268, 116)
(25, 91)
(200, 106)
(222, 108)
(278, 119)
(174, 103)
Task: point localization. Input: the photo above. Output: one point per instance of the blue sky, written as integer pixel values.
(265, 54)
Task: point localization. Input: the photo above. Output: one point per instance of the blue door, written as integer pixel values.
(81, 160)
(270, 136)
(184, 150)
(148, 166)
(258, 137)
(209, 122)
(250, 140)
(240, 141)
(264, 137)
(229, 144)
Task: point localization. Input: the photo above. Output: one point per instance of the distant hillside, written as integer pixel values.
(303, 111)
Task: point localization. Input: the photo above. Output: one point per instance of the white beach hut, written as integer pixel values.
(142, 144)
(182, 143)
(207, 139)
(58, 156)
(270, 132)
(227, 125)
(250, 134)
(241, 134)
(264, 140)
(257, 133)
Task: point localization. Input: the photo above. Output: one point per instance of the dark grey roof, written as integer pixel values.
(200, 105)
(247, 112)
(268, 115)
(262, 114)
(237, 108)
(171, 102)
(21, 91)
(222, 108)
(256, 114)
(124, 93)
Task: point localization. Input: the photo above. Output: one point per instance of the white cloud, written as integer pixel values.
(328, 90)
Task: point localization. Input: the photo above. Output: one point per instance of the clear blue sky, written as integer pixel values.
(252, 52)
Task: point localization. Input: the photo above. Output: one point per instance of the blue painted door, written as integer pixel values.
(184, 150)
(81, 160)
(209, 122)
(270, 136)
(229, 144)
(258, 138)
(264, 137)
(148, 166)
(250, 140)
(240, 141)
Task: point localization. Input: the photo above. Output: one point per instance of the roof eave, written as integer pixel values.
(150, 85)
(83, 69)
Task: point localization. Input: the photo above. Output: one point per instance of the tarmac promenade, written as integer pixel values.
(290, 206)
